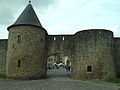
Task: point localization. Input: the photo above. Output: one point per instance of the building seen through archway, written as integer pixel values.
(58, 65)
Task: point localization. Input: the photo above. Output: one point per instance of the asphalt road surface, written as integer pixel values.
(58, 79)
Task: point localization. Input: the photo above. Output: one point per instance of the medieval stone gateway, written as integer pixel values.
(95, 52)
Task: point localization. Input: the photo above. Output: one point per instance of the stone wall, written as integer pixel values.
(60, 44)
(93, 50)
(117, 55)
(3, 52)
(88, 48)
(26, 52)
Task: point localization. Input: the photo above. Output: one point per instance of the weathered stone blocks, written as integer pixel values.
(26, 52)
(94, 52)
(3, 52)
(117, 55)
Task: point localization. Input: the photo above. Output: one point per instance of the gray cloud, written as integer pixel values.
(9, 8)
(43, 3)
(6, 16)
(65, 16)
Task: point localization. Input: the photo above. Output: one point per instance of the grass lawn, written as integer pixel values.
(115, 80)
(2, 76)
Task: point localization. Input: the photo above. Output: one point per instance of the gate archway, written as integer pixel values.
(57, 65)
(60, 47)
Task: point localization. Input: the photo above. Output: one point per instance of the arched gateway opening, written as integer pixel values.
(58, 65)
(60, 51)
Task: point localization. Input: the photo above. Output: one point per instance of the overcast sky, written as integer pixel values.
(64, 16)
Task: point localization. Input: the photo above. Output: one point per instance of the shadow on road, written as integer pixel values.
(60, 73)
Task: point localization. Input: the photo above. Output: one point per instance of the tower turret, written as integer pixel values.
(26, 47)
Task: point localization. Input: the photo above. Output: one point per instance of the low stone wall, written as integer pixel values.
(117, 55)
(3, 52)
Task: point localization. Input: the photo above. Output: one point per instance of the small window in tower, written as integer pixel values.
(54, 38)
(13, 46)
(19, 38)
(63, 38)
(41, 39)
(19, 63)
(89, 68)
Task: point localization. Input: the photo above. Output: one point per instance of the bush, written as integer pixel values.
(2, 76)
(114, 80)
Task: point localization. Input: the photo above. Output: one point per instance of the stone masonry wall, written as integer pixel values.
(3, 52)
(26, 52)
(88, 47)
(117, 55)
(93, 48)
(61, 44)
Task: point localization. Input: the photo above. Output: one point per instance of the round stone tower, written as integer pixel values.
(93, 55)
(26, 47)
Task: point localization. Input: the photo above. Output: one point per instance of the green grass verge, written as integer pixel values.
(114, 80)
(2, 76)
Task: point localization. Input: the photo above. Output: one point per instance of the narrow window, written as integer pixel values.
(19, 62)
(54, 38)
(63, 38)
(19, 38)
(13, 46)
(41, 39)
(89, 68)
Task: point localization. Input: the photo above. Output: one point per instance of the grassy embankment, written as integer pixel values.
(2, 76)
(115, 80)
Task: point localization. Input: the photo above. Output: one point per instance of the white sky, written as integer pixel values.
(64, 16)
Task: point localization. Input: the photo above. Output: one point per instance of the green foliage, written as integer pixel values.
(2, 76)
(114, 80)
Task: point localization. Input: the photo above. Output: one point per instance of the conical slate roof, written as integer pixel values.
(27, 17)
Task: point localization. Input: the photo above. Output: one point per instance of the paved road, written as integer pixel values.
(58, 80)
